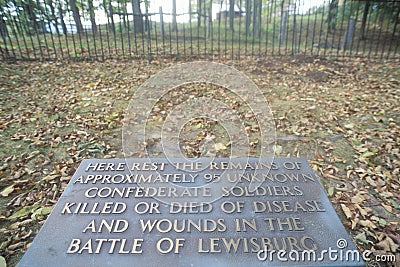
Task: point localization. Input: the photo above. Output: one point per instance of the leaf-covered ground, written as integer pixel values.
(343, 115)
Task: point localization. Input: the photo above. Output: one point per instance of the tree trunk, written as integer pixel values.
(53, 15)
(174, 24)
(108, 10)
(3, 28)
(147, 25)
(124, 16)
(162, 23)
(76, 16)
(111, 14)
(364, 19)
(232, 15)
(92, 16)
(61, 15)
(256, 16)
(18, 29)
(248, 17)
(396, 22)
(29, 7)
(271, 8)
(209, 19)
(282, 30)
(199, 13)
(331, 20)
(137, 16)
(204, 5)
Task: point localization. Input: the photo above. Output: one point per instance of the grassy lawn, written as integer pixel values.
(344, 116)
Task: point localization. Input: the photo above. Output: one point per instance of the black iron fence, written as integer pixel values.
(100, 29)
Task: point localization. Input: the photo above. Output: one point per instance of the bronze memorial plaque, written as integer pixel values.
(200, 212)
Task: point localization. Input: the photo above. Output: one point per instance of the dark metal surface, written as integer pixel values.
(324, 227)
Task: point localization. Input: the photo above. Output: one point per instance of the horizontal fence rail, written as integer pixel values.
(101, 29)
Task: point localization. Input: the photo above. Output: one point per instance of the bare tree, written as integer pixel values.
(3, 28)
(364, 19)
(76, 16)
(209, 15)
(257, 5)
(282, 29)
(52, 17)
(92, 16)
(137, 16)
(61, 15)
(108, 8)
(396, 20)
(199, 12)
(174, 23)
(332, 14)
(232, 14)
(248, 16)
(29, 7)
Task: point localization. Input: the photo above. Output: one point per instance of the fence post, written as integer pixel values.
(282, 30)
(111, 11)
(162, 23)
(294, 36)
(174, 23)
(148, 34)
(349, 34)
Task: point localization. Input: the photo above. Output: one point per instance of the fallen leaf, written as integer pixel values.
(354, 223)
(384, 244)
(373, 217)
(394, 203)
(346, 211)
(367, 223)
(219, 147)
(331, 191)
(356, 199)
(277, 149)
(367, 154)
(3, 262)
(388, 208)
(24, 211)
(388, 245)
(382, 222)
(41, 212)
(393, 246)
(348, 126)
(362, 238)
(6, 191)
(362, 211)
(370, 181)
